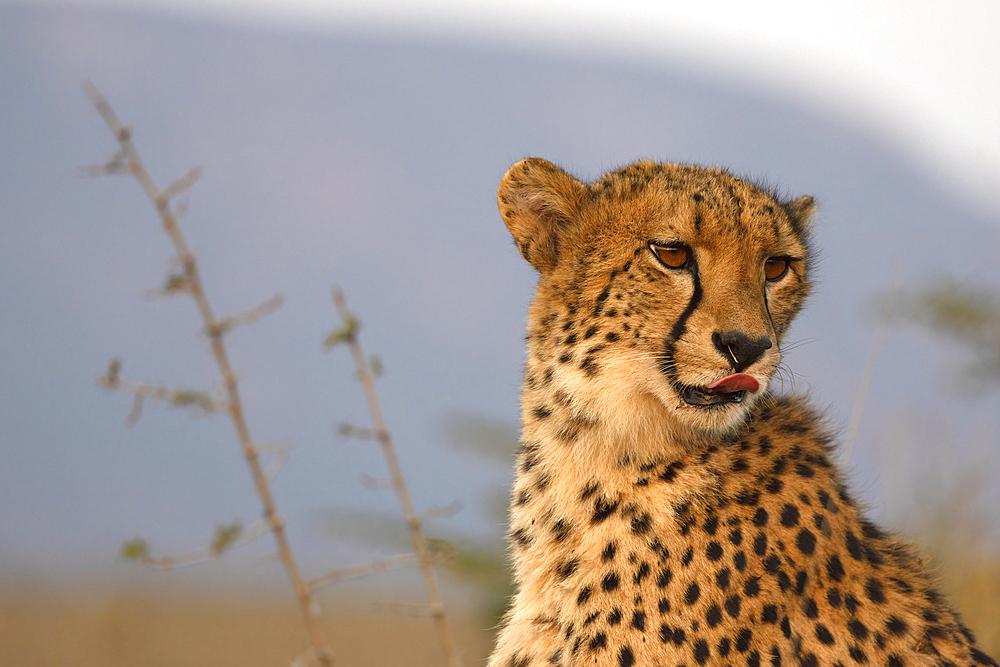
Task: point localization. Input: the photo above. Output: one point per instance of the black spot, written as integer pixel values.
(541, 412)
(833, 598)
(603, 508)
(611, 336)
(740, 561)
(688, 555)
(713, 616)
(584, 595)
(663, 606)
(722, 578)
(776, 657)
(857, 655)
(608, 554)
(808, 660)
(701, 651)
(641, 573)
(625, 657)
(615, 616)
(714, 551)
(823, 635)
(760, 544)
(711, 525)
(769, 614)
(789, 515)
(724, 646)
(851, 603)
(774, 486)
(786, 628)
(743, 640)
(590, 619)
(748, 497)
(809, 606)
(589, 333)
(896, 626)
(806, 541)
(641, 524)
(752, 587)
(854, 546)
(664, 577)
(772, 563)
(600, 640)
(873, 589)
(610, 581)
(733, 606)
(834, 568)
(753, 660)
(521, 537)
(896, 661)
(857, 629)
(801, 578)
(736, 536)
(639, 621)
(566, 570)
(760, 517)
(589, 490)
(692, 594)
(560, 529)
(670, 473)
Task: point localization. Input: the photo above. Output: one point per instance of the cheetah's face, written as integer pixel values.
(667, 287)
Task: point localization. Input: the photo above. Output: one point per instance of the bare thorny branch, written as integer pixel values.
(188, 280)
(424, 553)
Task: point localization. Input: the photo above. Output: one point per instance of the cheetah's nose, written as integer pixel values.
(739, 349)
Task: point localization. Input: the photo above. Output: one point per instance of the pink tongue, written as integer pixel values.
(734, 383)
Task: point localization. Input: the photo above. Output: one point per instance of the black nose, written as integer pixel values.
(739, 349)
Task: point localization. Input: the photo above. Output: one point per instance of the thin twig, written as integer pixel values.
(391, 563)
(426, 558)
(213, 327)
(858, 410)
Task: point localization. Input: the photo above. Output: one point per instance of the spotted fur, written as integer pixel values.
(648, 526)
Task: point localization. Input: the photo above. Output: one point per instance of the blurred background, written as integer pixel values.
(361, 145)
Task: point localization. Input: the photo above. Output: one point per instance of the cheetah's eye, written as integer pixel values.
(674, 256)
(776, 268)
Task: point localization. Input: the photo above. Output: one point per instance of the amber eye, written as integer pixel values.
(776, 268)
(674, 256)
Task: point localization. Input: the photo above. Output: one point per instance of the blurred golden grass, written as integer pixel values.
(166, 628)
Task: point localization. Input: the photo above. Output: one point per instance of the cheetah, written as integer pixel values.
(669, 509)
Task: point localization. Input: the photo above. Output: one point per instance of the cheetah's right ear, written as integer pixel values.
(538, 201)
(800, 211)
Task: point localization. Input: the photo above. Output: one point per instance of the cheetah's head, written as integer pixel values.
(664, 296)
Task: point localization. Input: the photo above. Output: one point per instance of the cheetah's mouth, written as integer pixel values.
(730, 389)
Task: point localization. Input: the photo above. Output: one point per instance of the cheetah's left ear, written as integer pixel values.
(800, 211)
(538, 202)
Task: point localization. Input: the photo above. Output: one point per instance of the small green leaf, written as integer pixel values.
(176, 282)
(343, 335)
(137, 549)
(225, 536)
(114, 369)
(186, 398)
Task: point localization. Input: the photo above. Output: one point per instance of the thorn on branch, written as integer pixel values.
(117, 165)
(442, 512)
(373, 483)
(248, 316)
(346, 430)
(135, 414)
